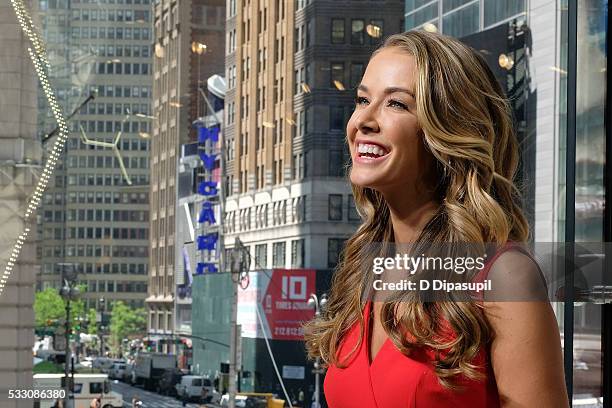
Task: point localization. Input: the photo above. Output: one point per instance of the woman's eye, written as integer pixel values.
(398, 104)
(359, 100)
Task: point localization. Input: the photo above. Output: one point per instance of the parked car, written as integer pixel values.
(117, 371)
(167, 382)
(191, 387)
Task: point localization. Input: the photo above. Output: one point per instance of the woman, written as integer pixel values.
(433, 161)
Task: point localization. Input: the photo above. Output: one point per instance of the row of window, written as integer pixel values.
(125, 68)
(108, 126)
(106, 14)
(101, 197)
(115, 91)
(459, 17)
(125, 144)
(111, 33)
(117, 108)
(108, 50)
(101, 268)
(95, 215)
(297, 256)
(116, 286)
(292, 210)
(95, 233)
(359, 30)
(120, 251)
(102, 162)
(65, 4)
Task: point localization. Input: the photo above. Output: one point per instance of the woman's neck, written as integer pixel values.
(409, 214)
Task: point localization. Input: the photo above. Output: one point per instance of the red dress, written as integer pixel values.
(394, 380)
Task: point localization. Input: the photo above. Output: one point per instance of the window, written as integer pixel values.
(337, 31)
(334, 247)
(297, 253)
(278, 254)
(357, 32)
(95, 388)
(261, 255)
(353, 215)
(334, 208)
(336, 118)
(356, 74)
(376, 31)
(495, 11)
(336, 74)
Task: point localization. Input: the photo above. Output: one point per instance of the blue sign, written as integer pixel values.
(208, 240)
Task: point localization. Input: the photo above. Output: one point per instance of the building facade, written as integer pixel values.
(95, 216)
(188, 49)
(20, 169)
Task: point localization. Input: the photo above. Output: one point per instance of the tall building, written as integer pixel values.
(526, 43)
(291, 69)
(95, 217)
(188, 44)
(292, 93)
(20, 169)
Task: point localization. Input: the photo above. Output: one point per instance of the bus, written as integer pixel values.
(86, 388)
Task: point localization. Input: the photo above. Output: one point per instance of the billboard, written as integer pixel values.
(281, 298)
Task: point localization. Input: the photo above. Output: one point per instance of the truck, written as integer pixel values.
(47, 390)
(149, 367)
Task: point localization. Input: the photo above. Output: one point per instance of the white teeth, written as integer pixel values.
(371, 149)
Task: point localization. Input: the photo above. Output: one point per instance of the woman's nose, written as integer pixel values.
(366, 122)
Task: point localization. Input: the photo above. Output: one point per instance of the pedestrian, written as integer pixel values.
(96, 402)
(59, 403)
(136, 401)
(301, 398)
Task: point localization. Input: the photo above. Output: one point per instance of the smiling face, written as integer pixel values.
(383, 133)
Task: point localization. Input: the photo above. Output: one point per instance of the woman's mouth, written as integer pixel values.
(368, 152)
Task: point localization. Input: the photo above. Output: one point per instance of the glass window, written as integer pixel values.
(496, 10)
(337, 31)
(278, 254)
(462, 22)
(357, 31)
(336, 118)
(356, 74)
(353, 215)
(337, 75)
(422, 16)
(297, 253)
(334, 247)
(376, 31)
(261, 255)
(334, 208)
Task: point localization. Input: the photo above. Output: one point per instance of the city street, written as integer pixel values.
(150, 399)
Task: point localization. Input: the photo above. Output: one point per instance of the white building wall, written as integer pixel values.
(18, 106)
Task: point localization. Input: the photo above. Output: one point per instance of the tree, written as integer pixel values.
(92, 318)
(125, 322)
(49, 306)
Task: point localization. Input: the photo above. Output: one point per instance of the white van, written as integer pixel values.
(191, 387)
(86, 388)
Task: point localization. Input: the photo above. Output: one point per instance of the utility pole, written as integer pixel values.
(68, 292)
(319, 305)
(240, 264)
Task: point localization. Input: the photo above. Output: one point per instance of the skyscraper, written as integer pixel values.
(95, 216)
(189, 39)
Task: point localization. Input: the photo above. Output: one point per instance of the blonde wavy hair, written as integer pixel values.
(466, 124)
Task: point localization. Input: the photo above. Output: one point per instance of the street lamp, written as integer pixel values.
(319, 306)
(68, 292)
(101, 302)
